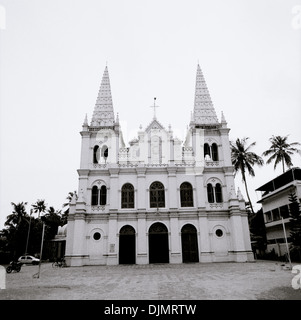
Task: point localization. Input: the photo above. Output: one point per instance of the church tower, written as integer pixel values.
(156, 199)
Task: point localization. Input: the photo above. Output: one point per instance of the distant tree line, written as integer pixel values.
(22, 233)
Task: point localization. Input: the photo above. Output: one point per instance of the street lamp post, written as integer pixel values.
(287, 248)
(28, 232)
(37, 275)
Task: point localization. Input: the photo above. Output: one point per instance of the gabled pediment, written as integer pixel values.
(154, 125)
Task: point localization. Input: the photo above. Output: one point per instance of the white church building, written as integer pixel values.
(158, 199)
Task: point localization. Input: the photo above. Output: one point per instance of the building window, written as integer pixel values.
(105, 153)
(276, 215)
(95, 154)
(214, 152)
(206, 150)
(99, 196)
(96, 236)
(268, 216)
(218, 193)
(211, 152)
(214, 193)
(157, 195)
(186, 194)
(284, 213)
(219, 233)
(94, 200)
(103, 196)
(210, 194)
(127, 196)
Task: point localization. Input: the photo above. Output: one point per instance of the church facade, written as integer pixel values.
(158, 199)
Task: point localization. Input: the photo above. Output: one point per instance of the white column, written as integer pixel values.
(175, 238)
(199, 200)
(238, 237)
(204, 240)
(77, 253)
(172, 188)
(112, 238)
(142, 250)
(141, 189)
(114, 194)
(86, 153)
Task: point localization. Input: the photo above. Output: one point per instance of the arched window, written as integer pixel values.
(94, 200)
(95, 154)
(127, 196)
(99, 196)
(218, 193)
(104, 152)
(103, 196)
(214, 151)
(206, 150)
(210, 193)
(186, 195)
(157, 195)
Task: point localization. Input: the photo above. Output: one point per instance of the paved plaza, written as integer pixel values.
(259, 280)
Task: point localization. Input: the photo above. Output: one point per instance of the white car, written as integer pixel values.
(29, 260)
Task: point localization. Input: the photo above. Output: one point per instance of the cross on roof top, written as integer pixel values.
(154, 106)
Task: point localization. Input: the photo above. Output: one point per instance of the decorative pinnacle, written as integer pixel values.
(85, 121)
(223, 118)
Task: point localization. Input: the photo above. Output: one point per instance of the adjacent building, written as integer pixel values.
(276, 205)
(157, 199)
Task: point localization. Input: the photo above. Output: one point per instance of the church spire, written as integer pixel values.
(103, 115)
(203, 112)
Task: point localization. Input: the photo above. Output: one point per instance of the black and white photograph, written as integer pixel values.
(150, 153)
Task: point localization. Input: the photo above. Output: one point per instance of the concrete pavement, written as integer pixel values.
(214, 281)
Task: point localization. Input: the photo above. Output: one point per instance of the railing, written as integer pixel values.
(134, 164)
(212, 163)
(216, 205)
(98, 208)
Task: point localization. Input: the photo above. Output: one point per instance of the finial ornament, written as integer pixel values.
(154, 106)
(223, 117)
(86, 121)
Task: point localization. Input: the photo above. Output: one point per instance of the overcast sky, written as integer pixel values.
(53, 54)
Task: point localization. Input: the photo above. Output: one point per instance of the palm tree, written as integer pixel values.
(14, 220)
(53, 221)
(69, 198)
(243, 160)
(281, 151)
(66, 205)
(19, 214)
(39, 207)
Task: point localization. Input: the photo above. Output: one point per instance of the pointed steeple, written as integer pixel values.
(103, 115)
(203, 112)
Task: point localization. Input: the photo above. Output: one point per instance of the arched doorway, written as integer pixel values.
(127, 245)
(158, 243)
(189, 240)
